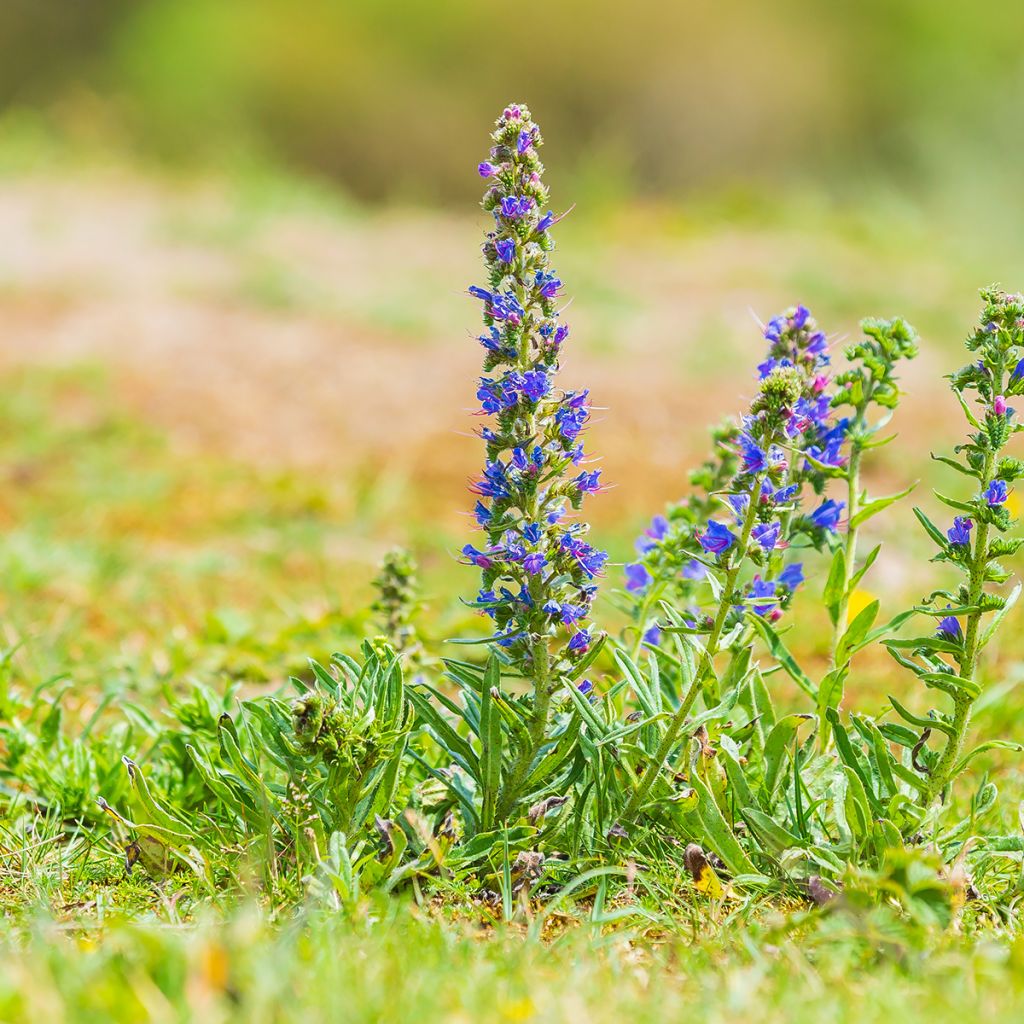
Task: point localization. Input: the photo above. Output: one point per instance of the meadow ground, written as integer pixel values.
(224, 401)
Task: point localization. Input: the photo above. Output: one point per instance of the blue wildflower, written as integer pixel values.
(996, 493)
(506, 249)
(792, 576)
(827, 514)
(766, 534)
(638, 579)
(960, 532)
(716, 539)
(949, 628)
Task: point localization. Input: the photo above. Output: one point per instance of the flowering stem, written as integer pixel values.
(704, 666)
(962, 703)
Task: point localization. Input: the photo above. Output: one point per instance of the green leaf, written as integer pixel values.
(981, 749)
(856, 631)
(872, 508)
(922, 723)
(951, 684)
(958, 466)
(868, 562)
(931, 529)
(956, 504)
(720, 837)
(490, 741)
(835, 584)
(830, 695)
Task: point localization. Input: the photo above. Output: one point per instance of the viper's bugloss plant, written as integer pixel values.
(973, 542)
(538, 572)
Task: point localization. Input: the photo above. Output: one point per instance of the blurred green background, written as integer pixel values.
(917, 97)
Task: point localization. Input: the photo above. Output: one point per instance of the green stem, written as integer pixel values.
(675, 724)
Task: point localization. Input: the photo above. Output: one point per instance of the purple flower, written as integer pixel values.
(534, 562)
(792, 576)
(545, 222)
(580, 641)
(535, 385)
(799, 317)
(949, 628)
(547, 284)
(1018, 371)
(480, 293)
(652, 635)
(586, 688)
(717, 538)
(506, 249)
(515, 207)
(637, 577)
(525, 140)
(999, 405)
(754, 458)
(588, 482)
(477, 558)
(766, 534)
(827, 514)
(996, 493)
(960, 532)
(486, 170)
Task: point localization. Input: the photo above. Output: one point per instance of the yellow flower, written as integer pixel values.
(859, 600)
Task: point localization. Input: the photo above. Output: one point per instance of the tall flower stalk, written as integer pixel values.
(538, 572)
(975, 540)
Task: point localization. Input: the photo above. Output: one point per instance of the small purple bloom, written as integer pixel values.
(960, 532)
(525, 141)
(586, 688)
(827, 514)
(477, 558)
(637, 577)
(486, 170)
(480, 293)
(588, 482)
(766, 534)
(545, 222)
(1018, 371)
(547, 284)
(717, 538)
(996, 493)
(580, 641)
(949, 628)
(999, 405)
(800, 317)
(534, 562)
(792, 576)
(535, 385)
(506, 249)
